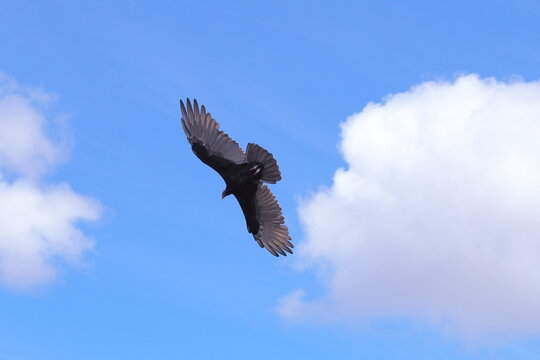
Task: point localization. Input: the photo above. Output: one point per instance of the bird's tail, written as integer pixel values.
(271, 173)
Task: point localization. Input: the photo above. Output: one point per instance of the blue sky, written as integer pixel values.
(173, 273)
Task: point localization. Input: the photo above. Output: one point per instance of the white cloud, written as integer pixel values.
(37, 220)
(437, 218)
(25, 147)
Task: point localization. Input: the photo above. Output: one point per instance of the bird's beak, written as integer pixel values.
(223, 195)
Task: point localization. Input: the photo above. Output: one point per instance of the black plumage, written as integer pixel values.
(244, 175)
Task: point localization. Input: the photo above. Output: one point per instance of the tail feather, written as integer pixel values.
(271, 173)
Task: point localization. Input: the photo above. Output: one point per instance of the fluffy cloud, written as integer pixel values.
(37, 220)
(437, 218)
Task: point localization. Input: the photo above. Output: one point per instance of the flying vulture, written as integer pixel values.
(244, 175)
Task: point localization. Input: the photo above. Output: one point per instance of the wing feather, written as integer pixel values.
(273, 235)
(200, 127)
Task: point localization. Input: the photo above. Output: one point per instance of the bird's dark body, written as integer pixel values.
(241, 180)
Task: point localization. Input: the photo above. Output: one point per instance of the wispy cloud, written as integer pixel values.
(38, 221)
(436, 218)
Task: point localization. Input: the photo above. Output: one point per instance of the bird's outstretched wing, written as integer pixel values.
(214, 147)
(273, 234)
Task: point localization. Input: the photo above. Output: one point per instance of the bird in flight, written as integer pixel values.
(244, 175)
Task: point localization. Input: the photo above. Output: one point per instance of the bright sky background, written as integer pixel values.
(114, 240)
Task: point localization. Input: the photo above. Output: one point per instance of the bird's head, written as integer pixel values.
(225, 193)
